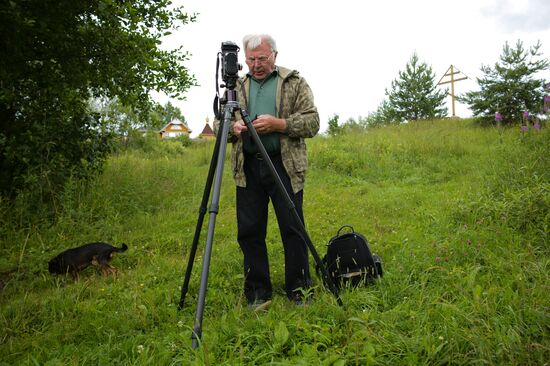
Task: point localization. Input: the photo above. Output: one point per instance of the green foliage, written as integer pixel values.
(149, 143)
(458, 213)
(167, 114)
(517, 192)
(354, 126)
(184, 140)
(118, 119)
(414, 95)
(333, 128)
(130, 121)
(61, 54)
(382, 116)
(511, 86)
(351, 125)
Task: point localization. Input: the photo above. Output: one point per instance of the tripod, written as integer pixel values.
(214, 177)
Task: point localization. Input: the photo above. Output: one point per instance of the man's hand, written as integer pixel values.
(266, 123)
(238, 127)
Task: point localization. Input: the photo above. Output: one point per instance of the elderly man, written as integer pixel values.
(285, 114)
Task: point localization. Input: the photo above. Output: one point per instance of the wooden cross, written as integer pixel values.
(452, 71)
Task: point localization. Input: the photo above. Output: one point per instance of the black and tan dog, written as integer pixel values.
(76, 259)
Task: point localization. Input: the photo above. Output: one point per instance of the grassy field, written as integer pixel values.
(459, 214)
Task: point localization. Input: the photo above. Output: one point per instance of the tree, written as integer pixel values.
(167, 113)
(123, 120)
(413, 94)
(56, 57)
(384, 115)
(333, 128)
(354, 126)
(115, 117)
(510, 87)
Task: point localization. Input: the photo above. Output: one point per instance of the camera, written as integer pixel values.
(230, 64)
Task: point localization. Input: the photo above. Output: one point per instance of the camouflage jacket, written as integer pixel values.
(296, 106)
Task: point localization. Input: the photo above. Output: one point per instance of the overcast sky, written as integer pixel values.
(350, 51)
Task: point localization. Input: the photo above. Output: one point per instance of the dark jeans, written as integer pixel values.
(252, 213)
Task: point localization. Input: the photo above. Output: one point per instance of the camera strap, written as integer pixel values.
(216, 105)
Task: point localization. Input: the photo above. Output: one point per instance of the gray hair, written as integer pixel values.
(252, 41)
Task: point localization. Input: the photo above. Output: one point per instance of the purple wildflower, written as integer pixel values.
(526, 114)
(524, 128)
(498, 117)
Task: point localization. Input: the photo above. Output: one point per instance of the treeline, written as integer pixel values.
(509, 92)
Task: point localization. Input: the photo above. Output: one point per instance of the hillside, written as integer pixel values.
(460, 215)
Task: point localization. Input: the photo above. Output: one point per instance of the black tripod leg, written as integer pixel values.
(290, 205)
(202, 213)
(213, 211)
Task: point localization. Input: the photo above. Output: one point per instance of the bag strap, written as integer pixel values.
(343, 227)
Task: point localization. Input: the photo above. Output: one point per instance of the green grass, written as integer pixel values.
(459, 214)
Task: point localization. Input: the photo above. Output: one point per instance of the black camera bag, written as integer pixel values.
(349, 261)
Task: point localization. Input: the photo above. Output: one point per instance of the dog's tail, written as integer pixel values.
(123, 248)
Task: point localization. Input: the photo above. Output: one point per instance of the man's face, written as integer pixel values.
(261, 60)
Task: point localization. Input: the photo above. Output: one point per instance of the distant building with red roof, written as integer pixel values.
(207, 132)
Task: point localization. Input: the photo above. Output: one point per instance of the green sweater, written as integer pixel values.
(261, 100)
